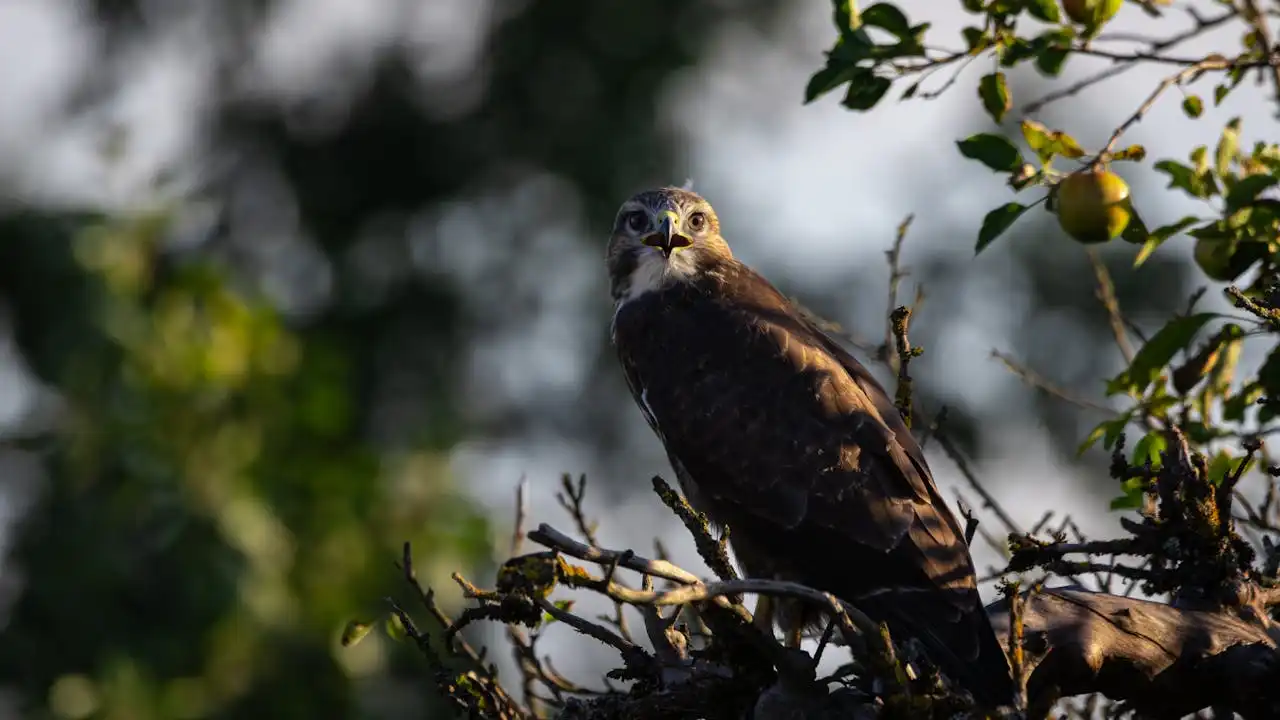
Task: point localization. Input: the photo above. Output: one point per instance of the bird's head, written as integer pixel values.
(660, 237)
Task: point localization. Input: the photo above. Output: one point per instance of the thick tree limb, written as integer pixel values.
(1164, 661)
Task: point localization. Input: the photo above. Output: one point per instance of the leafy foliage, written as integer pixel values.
(226, 513)
(1199, 393)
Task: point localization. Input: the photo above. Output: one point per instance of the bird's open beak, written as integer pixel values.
(668, 238)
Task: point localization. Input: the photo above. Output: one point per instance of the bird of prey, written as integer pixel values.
(776, 431)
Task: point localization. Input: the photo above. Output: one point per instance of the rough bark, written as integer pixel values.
(1165, 661)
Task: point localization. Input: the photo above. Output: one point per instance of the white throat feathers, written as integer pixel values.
(653, 272)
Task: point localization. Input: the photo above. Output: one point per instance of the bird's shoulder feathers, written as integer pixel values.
(775, 423)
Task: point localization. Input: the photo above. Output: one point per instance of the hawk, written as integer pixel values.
(776, 431)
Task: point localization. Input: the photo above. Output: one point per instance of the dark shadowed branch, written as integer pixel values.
(1162, 660)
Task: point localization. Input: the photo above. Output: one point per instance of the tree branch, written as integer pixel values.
(1164, 661)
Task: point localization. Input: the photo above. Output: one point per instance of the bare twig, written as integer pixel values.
(626, 649)
(970, 522)
(1107, 294)
(1200, 27)
(571, 499)
(522, 647)
(1258, 21)
(522, 512)
(1208, 63)
(900, 319)
(896, 273)
(483, 675)
(1038, 381)
(1268, 315)
(1017, 665)
(549, 537)
(951, 81)
(1150, 57)
(988, 500)
(715, 553)
(691, 589)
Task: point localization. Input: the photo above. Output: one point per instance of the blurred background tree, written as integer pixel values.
(248, 398)
(275, 274)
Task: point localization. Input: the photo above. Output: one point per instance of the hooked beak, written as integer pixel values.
(668, 238)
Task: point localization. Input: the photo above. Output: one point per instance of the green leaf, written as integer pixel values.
(1015, 51)
(562, 605)
(827, 79)
(395, 628)
(1156, 353)
(1156, 237)
(1048, 143)
(845, 17)
(1053, 48)
(1131, 500)
(1268, 155)
(1269, 373)
(1046, 10)
(1247, 189)
(1231, 343)
(354, 632)
(1133, 153)
(996, 222)
(1268, 412)
(1149, 448)
(865, 90)
(1067, 145)
(1185, 178)
(1051, 60)
(1228, 144)
(1193, 106)
(1223, 465)
(1212, 230)
(888, 17)
(1108, 431)
(1037, 136)
(1159, 401)
(1135, 231)
(1234, 409)
(1239, 218)
(851, 50)
(1094, 436)
(975, 39)
(1180, 176)
(994, 92)
(994, 151)
(1148, 247)
(1199, 157)
(1132, 492)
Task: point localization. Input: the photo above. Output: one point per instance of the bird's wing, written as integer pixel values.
(807, 460)
(779, 425)
(914, 470)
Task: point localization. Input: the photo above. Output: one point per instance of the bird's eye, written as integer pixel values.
(697, 221)
(636, 221)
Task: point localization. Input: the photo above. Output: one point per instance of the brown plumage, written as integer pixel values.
(776, 431)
